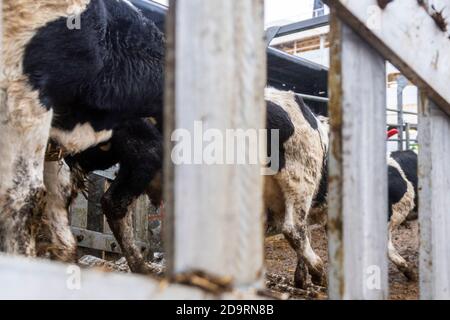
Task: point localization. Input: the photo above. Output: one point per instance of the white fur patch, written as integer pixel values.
(55, 220)
(324, 131)
(400, 211)
(24, 124)
(82, 137)
(406, 204)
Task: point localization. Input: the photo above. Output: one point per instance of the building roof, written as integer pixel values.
(297, 74)
(285, 71)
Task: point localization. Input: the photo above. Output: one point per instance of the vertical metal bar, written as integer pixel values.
(216, 74)
(434, 189)
(358, 170)
(402, 82)
(1, 35)
(408, 136)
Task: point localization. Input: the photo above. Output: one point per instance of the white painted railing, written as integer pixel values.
(363, 36)
(216, 73)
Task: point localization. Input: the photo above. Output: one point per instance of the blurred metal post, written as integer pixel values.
(402, 82)
(408, 136)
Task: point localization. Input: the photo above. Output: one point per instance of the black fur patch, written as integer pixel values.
(397, 187)
(307, 113)
(278, 119)
(109, 71)
(138, 147)
(321, 196)
(408, 162)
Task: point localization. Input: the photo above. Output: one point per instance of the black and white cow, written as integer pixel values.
(87, 89)
(75, 86)
(288, 194)
(138, 147)
(403, 199)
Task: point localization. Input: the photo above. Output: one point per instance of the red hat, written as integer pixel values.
(391, 133)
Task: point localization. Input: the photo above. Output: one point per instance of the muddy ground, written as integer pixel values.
(280, 261)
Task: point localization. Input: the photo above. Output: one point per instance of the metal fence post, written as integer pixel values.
(215, 77)
(402, 82)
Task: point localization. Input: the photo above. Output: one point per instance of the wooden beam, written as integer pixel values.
(141, 213)
(406, 35)
(95, 216)
(26, 279)
(434, 190)
(101, 241)
(1, 37)
(216, 74)
(358, 169)
(78, 212)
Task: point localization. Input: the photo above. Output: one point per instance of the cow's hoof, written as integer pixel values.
(407, 271)
(410, 274)
(301, 277)
(318, 274)
(319, 278)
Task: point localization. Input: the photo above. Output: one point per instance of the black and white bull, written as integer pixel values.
(402, 200)
(74, 86)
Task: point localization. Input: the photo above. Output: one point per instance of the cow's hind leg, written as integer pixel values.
(55, 239)
(140, 150)
(138, 146)
(136, 256)
(123, 232)
(24, 132)
(398, 217)
(298, 199)
(400, 212)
